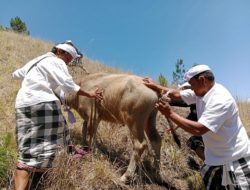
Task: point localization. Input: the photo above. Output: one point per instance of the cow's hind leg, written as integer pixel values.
(139, 145)
(155, 142)
(153, 135)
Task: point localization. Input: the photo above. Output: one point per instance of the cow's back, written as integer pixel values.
(123, 95)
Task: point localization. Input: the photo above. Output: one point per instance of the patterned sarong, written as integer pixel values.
(231, 176)
(40, 130)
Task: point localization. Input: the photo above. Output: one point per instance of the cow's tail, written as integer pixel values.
(175, 136)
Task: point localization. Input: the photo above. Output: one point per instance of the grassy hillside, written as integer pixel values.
(103, 169)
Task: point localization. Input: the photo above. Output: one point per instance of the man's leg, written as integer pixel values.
(196, 144)
(200, 152)
(21, 179)
(37, 181)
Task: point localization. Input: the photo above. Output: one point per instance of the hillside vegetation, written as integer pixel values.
(102, 170)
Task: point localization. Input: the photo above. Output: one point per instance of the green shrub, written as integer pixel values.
(7, 156)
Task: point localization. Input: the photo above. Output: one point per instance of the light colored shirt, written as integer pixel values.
(39, 82)
(217, 110)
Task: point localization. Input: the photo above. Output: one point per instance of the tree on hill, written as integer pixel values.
(162, 80)
(18, 25)
(2, 27)
(179, 72)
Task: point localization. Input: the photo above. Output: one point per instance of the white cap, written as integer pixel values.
(68, 48)
(68, 41)
(193, 71)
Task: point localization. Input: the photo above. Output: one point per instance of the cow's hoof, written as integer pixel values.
(125, 179)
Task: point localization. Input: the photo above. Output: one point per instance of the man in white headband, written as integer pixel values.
(227, 147)
(68, 48)
(194, 71)
(40, 126)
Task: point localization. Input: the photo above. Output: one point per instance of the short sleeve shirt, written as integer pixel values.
(217, 110)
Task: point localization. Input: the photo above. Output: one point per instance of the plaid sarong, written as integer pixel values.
(234, 175)
(40, 130)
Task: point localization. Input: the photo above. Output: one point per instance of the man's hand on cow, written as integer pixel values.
(165, 98)
(97, 94)
(163, 106)
(150, 83)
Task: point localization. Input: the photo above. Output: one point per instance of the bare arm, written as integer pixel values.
(173, 95)
(192, 127)
(170, 94)
(156, 87)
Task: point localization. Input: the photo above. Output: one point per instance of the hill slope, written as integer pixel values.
(103, 169)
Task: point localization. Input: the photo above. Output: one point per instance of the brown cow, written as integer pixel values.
(126, 100)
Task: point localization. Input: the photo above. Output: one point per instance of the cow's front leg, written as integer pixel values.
(139, 145)
(84, 133)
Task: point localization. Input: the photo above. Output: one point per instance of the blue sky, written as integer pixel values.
(147, 37)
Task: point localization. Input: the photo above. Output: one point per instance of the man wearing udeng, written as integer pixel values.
(40, 126)
(227, 147)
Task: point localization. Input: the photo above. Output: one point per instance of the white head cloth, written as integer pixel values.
(195, 71)
(68, 48)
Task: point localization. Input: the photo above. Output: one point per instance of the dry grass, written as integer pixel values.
(102, 169)
(92, 172)
(15, 50)
(244, 109)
